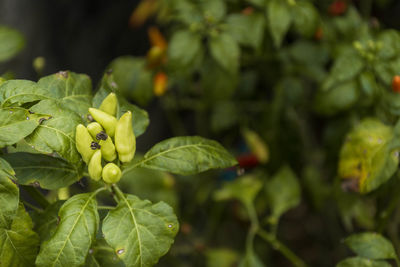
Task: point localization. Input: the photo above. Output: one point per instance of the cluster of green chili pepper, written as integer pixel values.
(105, 140)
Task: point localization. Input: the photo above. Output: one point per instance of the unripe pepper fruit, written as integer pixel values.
(106, 145)
(106, 120)
(95, 168)
(109, 104)
(396, 84)
(125, 141)
(111, 173)
(83, 142)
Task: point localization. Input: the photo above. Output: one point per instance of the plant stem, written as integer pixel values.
(112, 194)
(118, 192)
(254, 226)
(36, 195)
(105, 207)
(386, 213)
(276, 244)
(32, 206)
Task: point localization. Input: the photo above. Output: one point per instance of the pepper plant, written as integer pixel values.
(42, 145)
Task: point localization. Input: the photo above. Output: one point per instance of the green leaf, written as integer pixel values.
(244, 189)
(132, 79)
(186, 155)
(345, 67)
(46, 221)
(140, 117)
(247, 30)
(16, 123)
(58, 133)
(369, 156)
(74, 235)
(49, 172)
(225, 51)
(362, 262)
(337, 99)
(150, 184)
(371, 246)
(101, 254)
(305, 18)
(140, 232)
(9, 195)
(217, 83)
(260, 3)
(6, 169)
(213, 10)
(72, 90)
(279, 18)
(19, 244)
(283, 192)
(390, 42)
(18, 92)
(183, 48)
(221, 257)
(11, 42)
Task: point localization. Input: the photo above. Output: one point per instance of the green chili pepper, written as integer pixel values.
(111, 173)
(83, 142)
(95, 168)
(125, 141)
(107, 145)
(109, 104)
(107, 121)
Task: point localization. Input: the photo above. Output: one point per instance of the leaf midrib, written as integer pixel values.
(170, 150)
(136, 227)
(73, 226)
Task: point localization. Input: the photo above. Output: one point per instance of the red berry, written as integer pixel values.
(396, 84)
(337, 8)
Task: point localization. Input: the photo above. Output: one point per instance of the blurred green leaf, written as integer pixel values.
(11, 42)
(279, 18)
(346, 66)
(390, 44)
(221, 257)
(132, 79)
(243, 188)
(362, 262)
(371, 246)
(283, 192)
(339, 98)
(305, 18)
(213, 10)
(183, 48)
(247, 30)
(368, 158)
(224, 115)
(217, 83)
(225, 51)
